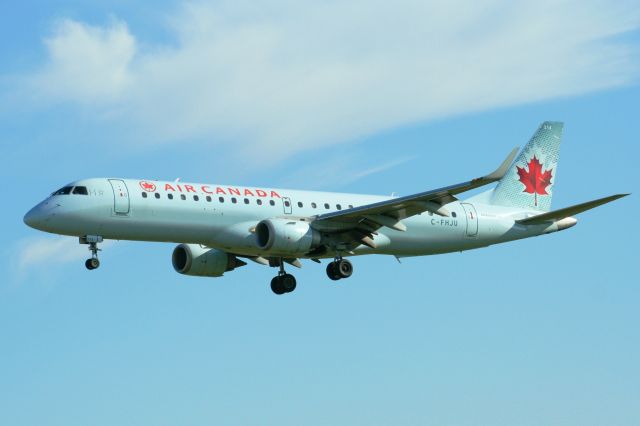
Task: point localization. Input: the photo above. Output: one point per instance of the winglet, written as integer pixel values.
(502, 170)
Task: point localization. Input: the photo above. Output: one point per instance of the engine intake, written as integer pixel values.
(195, 260)
(286, 236)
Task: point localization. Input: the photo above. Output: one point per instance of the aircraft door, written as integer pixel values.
(286, 204)
(472, 219)
(120, 197)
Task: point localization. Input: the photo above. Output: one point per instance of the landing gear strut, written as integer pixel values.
(283, 282)
(92, 240)
(339, 268)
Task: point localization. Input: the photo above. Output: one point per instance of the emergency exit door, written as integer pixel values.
(121, 202)
(472, 219)
(286, 204)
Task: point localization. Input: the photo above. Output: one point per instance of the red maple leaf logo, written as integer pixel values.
(534, 180)
(147, 186)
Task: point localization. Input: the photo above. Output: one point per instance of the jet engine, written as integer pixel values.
(286, 236)
(195, 260)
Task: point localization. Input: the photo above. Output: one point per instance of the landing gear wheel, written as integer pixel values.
(92, 263)
(282, 284)
(276, 286)
(332, 271)
(338, 269)
(288, 282)
(344, 268)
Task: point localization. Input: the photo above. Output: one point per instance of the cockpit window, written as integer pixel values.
(80, 190)
(63, 191)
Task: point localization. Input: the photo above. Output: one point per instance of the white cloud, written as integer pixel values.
(379, 168)
(87, 64)
(272, 80)
(336, 172)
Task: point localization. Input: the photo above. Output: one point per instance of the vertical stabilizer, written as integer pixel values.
(529, 181)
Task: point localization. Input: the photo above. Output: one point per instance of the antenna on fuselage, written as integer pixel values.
(177, 180)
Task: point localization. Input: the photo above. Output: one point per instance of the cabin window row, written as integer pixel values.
(234, 200)
(208, 198)
(326, 205)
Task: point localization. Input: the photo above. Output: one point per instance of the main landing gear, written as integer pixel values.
(340, 268)
(92, 240)
(283, 282)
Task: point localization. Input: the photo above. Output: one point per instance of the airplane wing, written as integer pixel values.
(568, 211)
(359, 223)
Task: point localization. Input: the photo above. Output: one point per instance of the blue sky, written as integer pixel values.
(346, 96)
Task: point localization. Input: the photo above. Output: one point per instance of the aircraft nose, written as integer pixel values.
(35, 217)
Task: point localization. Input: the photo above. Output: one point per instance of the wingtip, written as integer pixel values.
(617, 196)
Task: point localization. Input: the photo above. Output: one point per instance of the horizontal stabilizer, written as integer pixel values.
(568, 211)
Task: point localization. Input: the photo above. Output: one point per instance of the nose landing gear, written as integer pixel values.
(92, 241)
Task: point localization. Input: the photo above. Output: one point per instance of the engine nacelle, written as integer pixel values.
(286, 236)
(195, 260)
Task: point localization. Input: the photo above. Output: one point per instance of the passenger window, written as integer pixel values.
(454, 214)
(246, 201)
(196, 198)
(313, 205)
(157, 195)
(273, 203)
(221, 199)
(208, 198)
(183, 197)
(80, 190)
(326, 206)
(338, 206)
(350, 206)
(234, 200)
(287, 203)
(259, 201)
(144, 195)
(299, 204)
(170, 196)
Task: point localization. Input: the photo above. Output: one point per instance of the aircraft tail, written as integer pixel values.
(529, 182)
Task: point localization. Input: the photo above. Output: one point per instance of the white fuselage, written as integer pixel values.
(225, 217)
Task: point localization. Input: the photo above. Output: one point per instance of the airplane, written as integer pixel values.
(217, 226)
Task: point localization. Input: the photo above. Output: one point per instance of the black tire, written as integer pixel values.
(288, 282)
(344, 268)
(332, 271)
(276, 286)
(91, 264)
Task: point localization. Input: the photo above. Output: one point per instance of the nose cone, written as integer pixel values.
(35, 218)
